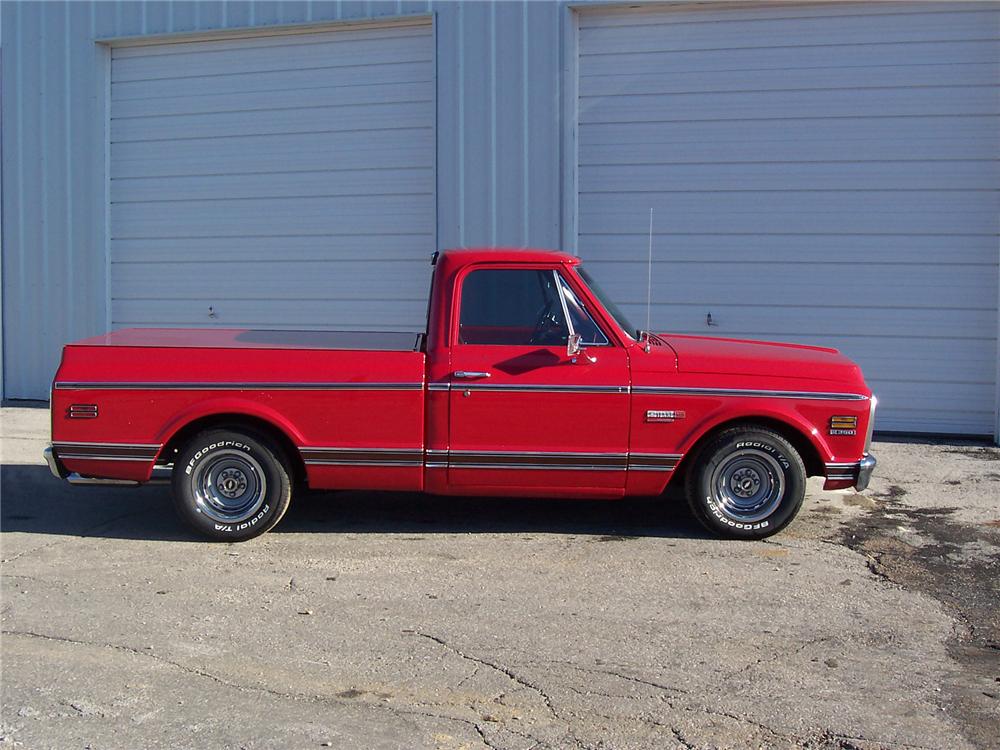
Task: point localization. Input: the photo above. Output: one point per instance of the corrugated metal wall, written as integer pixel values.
(499, 135)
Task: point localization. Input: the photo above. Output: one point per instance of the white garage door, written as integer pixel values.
(827, 175)
(275, 181)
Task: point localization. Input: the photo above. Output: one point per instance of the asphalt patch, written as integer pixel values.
(966, 584)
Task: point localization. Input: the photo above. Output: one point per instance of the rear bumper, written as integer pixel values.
(161, 474)
(857, 474)
(54, 466)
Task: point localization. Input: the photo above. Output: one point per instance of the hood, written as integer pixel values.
(710, 355)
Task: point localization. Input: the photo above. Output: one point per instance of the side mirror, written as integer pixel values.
(573, 344)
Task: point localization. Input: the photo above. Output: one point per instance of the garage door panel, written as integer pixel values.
(819, 173)
(773, 31)
(319, 279)
(843, 134)
(293, 54)
(377, 214)
(854, 77)
(625, 61)
(311, 119)
(926, 100)
(259, 82)
(791, 151)
(724, 11)
(181, 50)
(900, 175)
(385, 87)
(321, 314)
(965, 286)
(964, 202)
(773, 219)
(377, 248)
(390, 181)
(301, 194)
(322, 151)
(670, 248)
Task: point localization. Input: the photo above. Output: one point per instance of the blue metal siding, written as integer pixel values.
(499, 129)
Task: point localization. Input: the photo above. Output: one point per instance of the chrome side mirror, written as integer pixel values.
(573, 344)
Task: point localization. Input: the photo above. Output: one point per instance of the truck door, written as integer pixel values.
(524, 414)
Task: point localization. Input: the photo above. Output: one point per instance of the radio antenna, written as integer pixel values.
(649, 272)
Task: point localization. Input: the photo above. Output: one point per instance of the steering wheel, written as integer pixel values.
(546, 324)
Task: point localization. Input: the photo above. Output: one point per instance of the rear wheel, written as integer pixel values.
(746, 483)
(231, 485)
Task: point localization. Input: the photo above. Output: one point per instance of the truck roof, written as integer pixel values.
(461, 256)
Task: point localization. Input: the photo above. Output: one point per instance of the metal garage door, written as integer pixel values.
(274, 181)
(826, 175)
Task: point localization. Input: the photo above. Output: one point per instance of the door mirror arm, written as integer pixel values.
(575, 349)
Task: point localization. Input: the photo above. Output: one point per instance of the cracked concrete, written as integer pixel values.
(399, 621)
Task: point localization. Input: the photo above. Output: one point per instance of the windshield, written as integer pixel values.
(623, 322)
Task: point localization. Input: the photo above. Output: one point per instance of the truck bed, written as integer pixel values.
(351, 403)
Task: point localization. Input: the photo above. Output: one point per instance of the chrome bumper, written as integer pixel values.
(866, 466)
(161, 474)
(54, 466)
(859, 472)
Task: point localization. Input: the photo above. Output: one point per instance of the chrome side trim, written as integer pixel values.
(351, 462)
(649, 390)
(106, 386)
(107, 451)
(439, 386)
(77, 479)
(550, 467)
(654, 461)
(539, 388)
(98, 457)
(323, 456)
(436, 458)
(157, 446)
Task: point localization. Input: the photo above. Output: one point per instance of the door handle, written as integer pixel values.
(469, 375)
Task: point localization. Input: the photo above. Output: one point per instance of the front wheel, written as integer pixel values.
(746, 483)
(231, 485)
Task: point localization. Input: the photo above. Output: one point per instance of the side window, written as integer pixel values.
(590, 332)
(516, 307)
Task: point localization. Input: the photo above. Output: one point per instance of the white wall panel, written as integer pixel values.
(826, 174)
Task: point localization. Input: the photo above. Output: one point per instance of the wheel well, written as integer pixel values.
(234, 422)
(810, 457)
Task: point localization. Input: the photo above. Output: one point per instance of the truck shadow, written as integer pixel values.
(32, 501)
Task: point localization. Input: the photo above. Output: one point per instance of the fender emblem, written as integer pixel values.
(659, 415)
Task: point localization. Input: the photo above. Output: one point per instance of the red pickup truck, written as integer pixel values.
(528, 381)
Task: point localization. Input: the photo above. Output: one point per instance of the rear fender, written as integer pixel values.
(229, 405)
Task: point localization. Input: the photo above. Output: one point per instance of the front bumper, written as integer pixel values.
(866, 467)
(857, 474)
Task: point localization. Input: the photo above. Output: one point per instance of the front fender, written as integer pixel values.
(747, 410)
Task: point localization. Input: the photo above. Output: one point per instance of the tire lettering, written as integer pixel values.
(204, 451)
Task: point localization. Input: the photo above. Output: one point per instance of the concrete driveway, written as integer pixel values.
(402, 621)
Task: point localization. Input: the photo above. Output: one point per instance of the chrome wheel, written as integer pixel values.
(748, 485)
(229, 487)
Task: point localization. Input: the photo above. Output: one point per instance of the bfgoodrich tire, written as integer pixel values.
(231, 485)
(746, 483)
